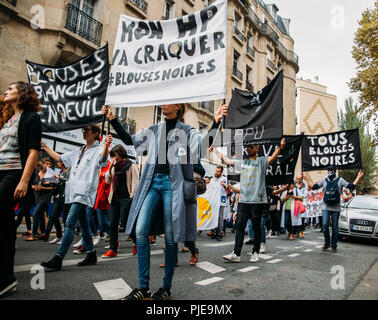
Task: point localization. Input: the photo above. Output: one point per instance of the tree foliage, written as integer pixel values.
(365, 53)
(350, 120)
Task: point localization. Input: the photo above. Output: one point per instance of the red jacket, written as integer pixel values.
(103, 190)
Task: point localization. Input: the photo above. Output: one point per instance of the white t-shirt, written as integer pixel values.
(223, 199)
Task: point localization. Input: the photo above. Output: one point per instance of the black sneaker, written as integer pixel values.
(334, 250)
(139, 294)
(55, 263)
(90, 259)
(162, 294)
(325, 248)
(7, 286)
(250, 241)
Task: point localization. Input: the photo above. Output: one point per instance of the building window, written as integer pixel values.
(236, 66)
(158, 115)
(249, 79)
(237, 21)
(80, 20)
(168, 10)
(250, 49)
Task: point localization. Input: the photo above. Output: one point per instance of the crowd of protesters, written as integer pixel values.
(98, 187)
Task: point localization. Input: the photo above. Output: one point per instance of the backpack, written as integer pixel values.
(331, 193)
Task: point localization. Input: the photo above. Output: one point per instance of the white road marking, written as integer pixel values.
(209, 267)
(220, 244)
(308, 250)
(264, 256)
(208, 281)
(322, 238)
(319, 247)
(248, 269)
(293, 255)
(113, 289)
(74, 262)
(309, 242)
(274, 261)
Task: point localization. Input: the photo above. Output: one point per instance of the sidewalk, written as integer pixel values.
(367, 289)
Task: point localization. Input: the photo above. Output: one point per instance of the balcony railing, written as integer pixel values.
(140, 4)
(239, 35)
(238, 74)
(207, 105)
(83, 24)
(14, 2)
(265, 29)
(251, 51)
(271, 65)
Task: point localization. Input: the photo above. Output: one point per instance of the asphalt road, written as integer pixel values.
(292, 269)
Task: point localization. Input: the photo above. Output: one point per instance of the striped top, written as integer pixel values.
(9, 148)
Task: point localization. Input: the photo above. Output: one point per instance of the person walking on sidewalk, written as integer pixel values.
(20, 143)
(123, 178)
(333, 187)
(252, 197)
(81, 188)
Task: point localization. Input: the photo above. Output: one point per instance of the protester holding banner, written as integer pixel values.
(19, 146)
(123, 179)
(333, 187)
(291, 216)
(172, 182)
(252, 197)
(85, 163)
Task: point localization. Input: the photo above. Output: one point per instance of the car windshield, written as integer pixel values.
(369, 203)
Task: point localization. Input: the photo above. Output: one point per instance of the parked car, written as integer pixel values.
(359, 218)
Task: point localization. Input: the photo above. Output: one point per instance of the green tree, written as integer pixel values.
(350, 120)
(365, 53)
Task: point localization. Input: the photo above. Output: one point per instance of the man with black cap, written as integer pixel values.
(333, 187)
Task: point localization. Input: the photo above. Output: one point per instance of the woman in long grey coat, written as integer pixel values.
(171, 147)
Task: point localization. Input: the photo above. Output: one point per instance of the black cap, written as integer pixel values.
(330, 167)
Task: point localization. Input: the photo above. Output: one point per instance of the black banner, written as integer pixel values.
(71, 96)
(256, 118)
(283, 169)
(340, 149)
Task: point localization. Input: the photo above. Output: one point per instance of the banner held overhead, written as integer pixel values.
(156, 62)
(71, 96)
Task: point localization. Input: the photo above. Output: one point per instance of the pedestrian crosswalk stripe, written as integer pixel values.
(308, 250)
(293, 255)
(248, 269)
(209, 281)
(274, 261)
(220, 244)
(309, 242)
(113, 289)
(209, 267)
(264, 256)
(319, 247)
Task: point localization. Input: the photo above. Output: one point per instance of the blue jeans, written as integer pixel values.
(160, 188)
(91, 213)
(335, 227)
(77, 213)
(103, 221)
(250, 229)
(39, 217)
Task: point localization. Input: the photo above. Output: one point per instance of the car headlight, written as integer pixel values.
(343, 218)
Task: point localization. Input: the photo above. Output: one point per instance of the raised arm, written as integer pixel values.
(54, 155)
(276, 153)
(222, 157)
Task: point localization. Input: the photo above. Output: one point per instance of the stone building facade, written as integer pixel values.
(61, 32)
(316, 111)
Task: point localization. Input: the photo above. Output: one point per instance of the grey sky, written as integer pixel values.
(324, 40)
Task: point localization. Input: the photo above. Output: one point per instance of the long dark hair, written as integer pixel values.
(27, 97)
(120, 150)
(6, 112)
(181, 112)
